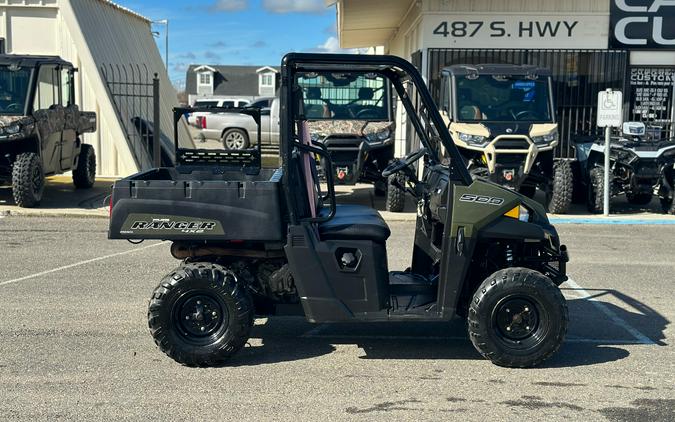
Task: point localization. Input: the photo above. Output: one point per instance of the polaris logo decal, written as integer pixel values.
(182, 226)
(480, 199)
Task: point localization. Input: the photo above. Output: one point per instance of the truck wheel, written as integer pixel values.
(561, 191)
(395, 196)
(639, 198)
(235, 139)
(199, 315)
(596, 185)
(84, 174)
(28, 180)
(518, 318)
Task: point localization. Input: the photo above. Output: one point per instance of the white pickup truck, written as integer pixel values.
(239, 131)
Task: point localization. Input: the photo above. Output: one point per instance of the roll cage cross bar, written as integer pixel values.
(393, 68)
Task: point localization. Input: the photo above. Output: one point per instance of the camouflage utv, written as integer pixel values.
(40, 126)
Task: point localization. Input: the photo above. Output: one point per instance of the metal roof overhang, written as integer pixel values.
(369, 23)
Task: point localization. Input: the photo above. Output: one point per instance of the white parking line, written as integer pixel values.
(583, 294)
(77, 264)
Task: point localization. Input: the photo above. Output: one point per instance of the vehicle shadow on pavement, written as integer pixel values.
(616, 316)
(60, 193)
(593, 337)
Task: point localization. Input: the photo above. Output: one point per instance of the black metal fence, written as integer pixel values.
(578, 76)
(135, 93)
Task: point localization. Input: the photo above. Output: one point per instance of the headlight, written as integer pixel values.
(519, 213)
(11, 129)
(379, 137)
(477, 140)
(549, 138)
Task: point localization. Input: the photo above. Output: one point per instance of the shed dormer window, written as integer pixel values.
(205, 78)
(267, 80)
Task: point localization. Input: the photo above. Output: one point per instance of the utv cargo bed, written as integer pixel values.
(168, 204)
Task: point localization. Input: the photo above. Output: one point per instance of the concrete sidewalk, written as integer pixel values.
(62, 199)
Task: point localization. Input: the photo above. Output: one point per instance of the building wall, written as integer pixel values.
(90, 33)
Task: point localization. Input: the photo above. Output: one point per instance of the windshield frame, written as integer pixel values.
(28, 100)
(455, 106)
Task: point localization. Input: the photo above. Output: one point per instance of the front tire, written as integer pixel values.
(235, 139)
(562, 188)
(28, 180)
(517, 318)
(395, 196)
(596, 191)
(84, 175)
(199, 315)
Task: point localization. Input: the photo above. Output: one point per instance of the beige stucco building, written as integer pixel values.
(93, 34)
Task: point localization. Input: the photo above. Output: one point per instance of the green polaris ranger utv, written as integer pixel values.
(502, 118)
(254, 240)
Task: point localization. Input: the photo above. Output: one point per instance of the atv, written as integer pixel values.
(40, 126)
(356, 125)
(641, 165)
(256, 241)
(503, 120)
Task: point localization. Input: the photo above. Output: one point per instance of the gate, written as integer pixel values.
(135, 93)
(578, 76)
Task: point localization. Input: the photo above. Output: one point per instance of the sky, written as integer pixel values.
(243, 32)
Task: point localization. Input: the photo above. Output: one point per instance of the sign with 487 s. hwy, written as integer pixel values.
(523, 31)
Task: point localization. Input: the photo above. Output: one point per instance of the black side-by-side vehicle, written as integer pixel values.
(255, 240)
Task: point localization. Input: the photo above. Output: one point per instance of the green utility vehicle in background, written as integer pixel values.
(503, 120)
(253, 241)
(40, 126)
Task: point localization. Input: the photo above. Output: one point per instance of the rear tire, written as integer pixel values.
(395, 196)
(639, 198)
(28, 180)
(199, 315)
(235, 139)
(668, 206)
(518, 318)
(562, 187)
(84, 176)
(596, 188)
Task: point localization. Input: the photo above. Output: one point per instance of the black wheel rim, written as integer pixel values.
(201, 317)
(520, 322)
(36, 179)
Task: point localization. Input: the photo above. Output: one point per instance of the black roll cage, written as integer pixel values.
(393, 68)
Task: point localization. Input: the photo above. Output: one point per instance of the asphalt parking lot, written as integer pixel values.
(74, 342)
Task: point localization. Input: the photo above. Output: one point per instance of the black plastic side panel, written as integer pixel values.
(510, 228)
(330, 292)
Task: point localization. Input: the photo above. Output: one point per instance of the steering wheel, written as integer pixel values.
(402, 163)
(13, 107)
(523, 113)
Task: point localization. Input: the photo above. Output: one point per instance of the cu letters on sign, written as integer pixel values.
(643, 26)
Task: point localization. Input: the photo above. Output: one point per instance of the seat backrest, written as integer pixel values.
(307, 163)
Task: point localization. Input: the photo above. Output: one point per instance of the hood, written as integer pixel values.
(10, 120)
(347, 127)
